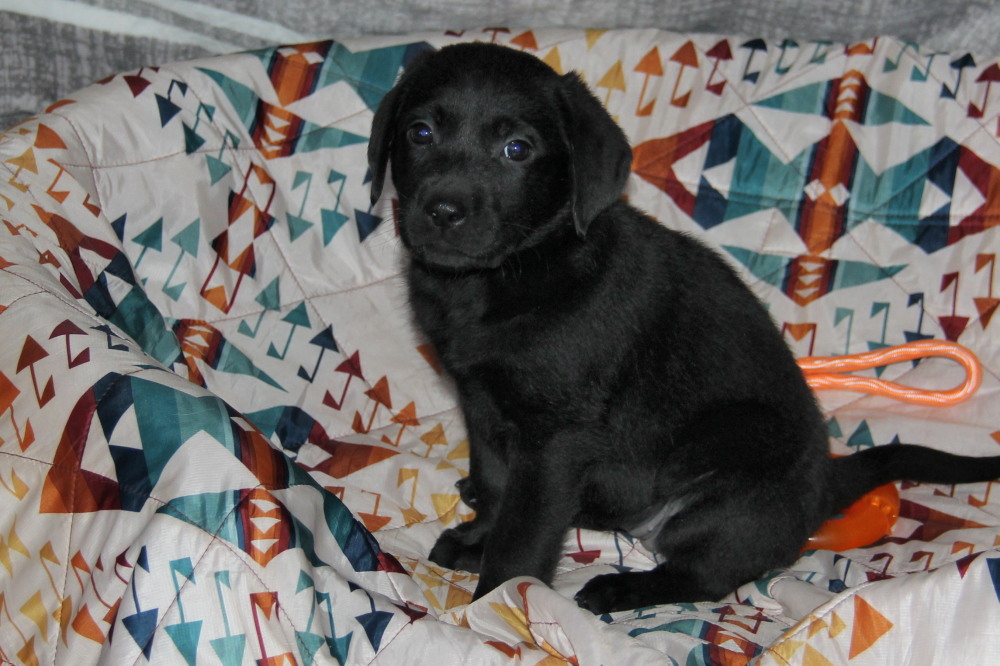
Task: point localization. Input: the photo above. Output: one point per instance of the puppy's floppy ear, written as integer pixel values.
(380, 142)
(600, 156)
(384, 123)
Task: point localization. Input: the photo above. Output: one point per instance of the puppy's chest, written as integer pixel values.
(514, 345)
(474, 340)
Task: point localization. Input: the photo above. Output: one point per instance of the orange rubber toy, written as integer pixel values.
(872, 517)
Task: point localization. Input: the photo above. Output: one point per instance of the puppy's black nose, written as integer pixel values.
(445, 214)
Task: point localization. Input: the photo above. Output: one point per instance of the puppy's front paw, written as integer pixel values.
(454, 550)
(609, 593)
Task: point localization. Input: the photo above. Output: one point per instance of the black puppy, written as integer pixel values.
(613, 374)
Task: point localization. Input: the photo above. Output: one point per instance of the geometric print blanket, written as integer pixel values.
(222, 440)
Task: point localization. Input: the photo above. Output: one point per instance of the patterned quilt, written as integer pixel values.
(222, 441)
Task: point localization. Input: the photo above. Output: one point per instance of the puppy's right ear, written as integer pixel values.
(600, 156)
(384, 123)
(380, 142)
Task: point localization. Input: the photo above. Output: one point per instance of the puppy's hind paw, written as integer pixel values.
(606, 594)
(625, 591)
(452, 551)
(641, 589)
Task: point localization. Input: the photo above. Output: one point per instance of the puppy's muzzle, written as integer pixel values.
(449, 228)
(445, 213)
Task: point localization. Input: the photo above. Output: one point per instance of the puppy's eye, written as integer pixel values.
(517, 150)
(420, 134)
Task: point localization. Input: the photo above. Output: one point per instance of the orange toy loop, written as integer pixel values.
(872, 516)
(828, 373)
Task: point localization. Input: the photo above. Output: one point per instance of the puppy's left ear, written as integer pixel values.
(600, 156)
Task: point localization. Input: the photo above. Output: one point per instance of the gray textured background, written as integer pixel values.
(50, 48)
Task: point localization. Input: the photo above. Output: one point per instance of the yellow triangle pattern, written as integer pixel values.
(614, 78)
(816, 626)
(445, 504)
(25, 160)
(435, 436)
(553, 60)
(34, 610)
(19, 489)
(837, 625)
(593, 36)
(515, 619)
(786, 649)
(461, 451)
(812, 657)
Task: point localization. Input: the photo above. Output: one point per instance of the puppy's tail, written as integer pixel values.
(854, 475)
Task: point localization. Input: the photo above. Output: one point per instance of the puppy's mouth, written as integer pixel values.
(439, 253)
(475, 244)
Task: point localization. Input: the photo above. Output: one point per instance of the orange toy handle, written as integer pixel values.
(872, 517)
(828, 373)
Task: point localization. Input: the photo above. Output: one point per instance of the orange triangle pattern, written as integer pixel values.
(347, 457)
(651, 63)
(868, 627)
(47, 138)
(526, 40)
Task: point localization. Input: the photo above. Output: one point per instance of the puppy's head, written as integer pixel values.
(491, 153)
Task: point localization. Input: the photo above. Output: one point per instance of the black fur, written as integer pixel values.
(609, 370)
